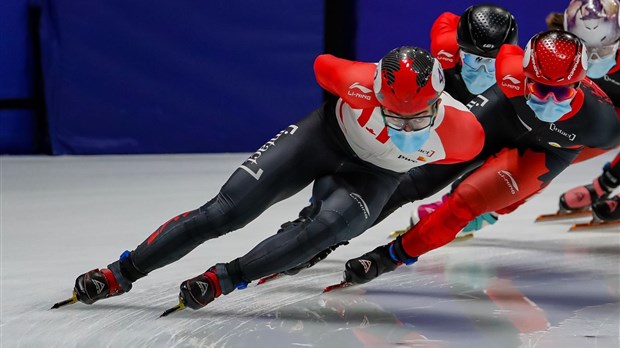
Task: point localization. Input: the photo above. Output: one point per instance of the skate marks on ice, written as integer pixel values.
(485, 295)
(466, 294)
(485, 292)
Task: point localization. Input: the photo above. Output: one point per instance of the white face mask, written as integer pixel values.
(601, 60)
(598, 68)
(478, 72)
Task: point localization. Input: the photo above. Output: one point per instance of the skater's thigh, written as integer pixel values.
(511, 176)
(353, 200)
(283, 166)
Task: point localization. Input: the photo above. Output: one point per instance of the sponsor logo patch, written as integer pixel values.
(366, 264)
(509, 180)
(252, 166)
(361, 88)
(509, 81)
(570, 136)
(360, 202)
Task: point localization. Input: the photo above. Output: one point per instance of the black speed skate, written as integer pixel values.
(95, 285)
(197, 292)
(201, 290)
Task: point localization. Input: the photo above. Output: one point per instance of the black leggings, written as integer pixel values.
(348, 193)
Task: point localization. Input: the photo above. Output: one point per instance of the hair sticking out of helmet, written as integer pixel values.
(408, 80)
(594, 21)
(482, 30)
(555, 58)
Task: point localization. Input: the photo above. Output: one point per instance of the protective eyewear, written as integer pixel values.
(603, 52)
(542, 91)
(416, 123)
(475, 62)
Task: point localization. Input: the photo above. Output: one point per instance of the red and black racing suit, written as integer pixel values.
(521, 155)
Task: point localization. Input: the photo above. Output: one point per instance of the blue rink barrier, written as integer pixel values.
(403, 22)
(177, 77)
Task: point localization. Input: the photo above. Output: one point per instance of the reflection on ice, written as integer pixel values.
(515, 284)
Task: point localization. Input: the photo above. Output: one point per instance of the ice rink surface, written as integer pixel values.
(515, 284)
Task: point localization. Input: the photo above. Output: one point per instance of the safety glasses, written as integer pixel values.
(475, 62)
(603, 52)
(416, 123)
(558, 93)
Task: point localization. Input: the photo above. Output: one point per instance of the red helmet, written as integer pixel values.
(408, 80)
(555, 58)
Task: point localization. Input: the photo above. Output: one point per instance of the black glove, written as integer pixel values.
(201, 290)
(610, 179)
(607, 210)
(372, 264)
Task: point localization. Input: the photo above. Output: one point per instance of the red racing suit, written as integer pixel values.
(521, 154)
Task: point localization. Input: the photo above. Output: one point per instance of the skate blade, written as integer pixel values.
(268, 278)
(343, 284)
(564, 216)
(398, 233)
(464, 237)
(177, 308)
(72, 300)
(594, 225)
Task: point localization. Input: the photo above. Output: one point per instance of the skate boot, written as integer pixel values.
(114, 280)
(382, 259)
(95, 285)
(607, 210)
(201, 290)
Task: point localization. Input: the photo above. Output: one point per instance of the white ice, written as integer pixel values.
(515, 284)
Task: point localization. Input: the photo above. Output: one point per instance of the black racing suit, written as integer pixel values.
(349, 194)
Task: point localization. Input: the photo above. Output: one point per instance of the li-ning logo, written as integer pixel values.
(360, 202)
(363, 89)
(554, 128)
(443, 55)
(513, 82)
(252, 162)
(509, 180)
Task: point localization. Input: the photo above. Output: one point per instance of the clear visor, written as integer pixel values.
(602, 52)
(415, 122)
(475, 62)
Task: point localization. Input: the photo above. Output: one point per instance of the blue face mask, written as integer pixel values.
(598, 68)
(477, 81)
(409, 142)
(549, 110)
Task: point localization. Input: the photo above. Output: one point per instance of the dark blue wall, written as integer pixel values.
(177, 76)
(384, 25)
(192, 76)
(17, 126)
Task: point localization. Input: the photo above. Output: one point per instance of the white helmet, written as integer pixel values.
(594, 21)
